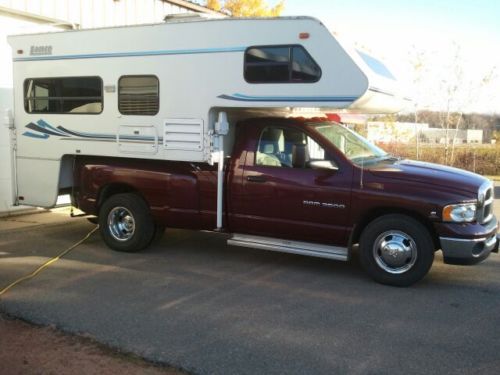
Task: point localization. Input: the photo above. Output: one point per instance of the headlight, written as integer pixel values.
(460, 213)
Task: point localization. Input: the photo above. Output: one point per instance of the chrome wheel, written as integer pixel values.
(121, 224)
(395, 252)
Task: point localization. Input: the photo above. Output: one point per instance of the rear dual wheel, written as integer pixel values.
(126, 223)
(396, 250)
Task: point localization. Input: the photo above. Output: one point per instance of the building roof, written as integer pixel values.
(23, 11)
(193, 6)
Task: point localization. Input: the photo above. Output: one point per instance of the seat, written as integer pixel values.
(266, 155)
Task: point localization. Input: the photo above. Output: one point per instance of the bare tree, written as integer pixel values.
(418, 60)
(458, 94)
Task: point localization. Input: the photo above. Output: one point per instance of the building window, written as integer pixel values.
(72, 95)
(139, 95)
(280, 64)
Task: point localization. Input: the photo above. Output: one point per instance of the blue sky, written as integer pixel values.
(439, 29)
(454, 16)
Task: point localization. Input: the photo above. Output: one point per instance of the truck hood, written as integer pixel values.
(430, 174)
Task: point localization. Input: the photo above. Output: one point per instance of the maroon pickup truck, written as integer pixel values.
(302, 186)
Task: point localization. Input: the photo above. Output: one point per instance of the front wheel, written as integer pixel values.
(396, 250)
(126, 223)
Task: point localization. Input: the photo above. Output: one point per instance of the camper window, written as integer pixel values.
(71, 95)
(139, 95)
(280, 64)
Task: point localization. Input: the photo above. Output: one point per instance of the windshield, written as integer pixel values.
(356, 148)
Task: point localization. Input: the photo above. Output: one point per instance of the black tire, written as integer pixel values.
(159, 232)
(396, 250)
(125, 223)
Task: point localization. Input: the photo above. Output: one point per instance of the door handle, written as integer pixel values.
(256, 179)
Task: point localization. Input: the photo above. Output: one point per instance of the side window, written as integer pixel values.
(286, 147)
(72, 95)
(139, 95)
(314, 150)
(280, 64)
(303, 67)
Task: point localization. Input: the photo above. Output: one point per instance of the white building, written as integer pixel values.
(394, 132)
(460, 136)
(35, 16)
(405, 132)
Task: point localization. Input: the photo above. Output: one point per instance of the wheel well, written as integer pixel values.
(372, 215)
(112, 189)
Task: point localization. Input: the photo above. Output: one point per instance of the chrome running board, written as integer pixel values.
(287, 246)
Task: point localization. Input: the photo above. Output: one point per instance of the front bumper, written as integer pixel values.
(472, 250)
(461, 251)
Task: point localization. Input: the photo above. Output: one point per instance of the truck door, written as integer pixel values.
(292, 188)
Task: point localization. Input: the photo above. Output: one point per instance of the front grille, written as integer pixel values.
(485, 199)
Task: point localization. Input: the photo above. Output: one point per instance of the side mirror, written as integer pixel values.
(299, 155)
(323, 164)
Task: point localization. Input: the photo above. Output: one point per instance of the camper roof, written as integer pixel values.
(180, 19)
(346, 79)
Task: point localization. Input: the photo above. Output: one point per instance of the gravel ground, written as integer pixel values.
(28, 349)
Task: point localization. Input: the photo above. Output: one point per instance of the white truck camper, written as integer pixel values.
(170, 91)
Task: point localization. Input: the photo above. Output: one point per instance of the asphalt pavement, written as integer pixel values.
(195, 303)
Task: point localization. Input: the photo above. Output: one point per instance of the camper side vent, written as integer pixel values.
(183, 134)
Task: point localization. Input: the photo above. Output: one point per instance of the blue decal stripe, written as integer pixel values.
(133, 54)
(379, 91)
(36, 127)
(35, 135)
(247, 98)
(47, 126)
(86, 135)
(106, 136)
(44, 130)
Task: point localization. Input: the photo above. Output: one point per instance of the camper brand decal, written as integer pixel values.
(40, 50)
(43, 130)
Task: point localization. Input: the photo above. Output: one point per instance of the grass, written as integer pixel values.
(478, 158)
(493, 178)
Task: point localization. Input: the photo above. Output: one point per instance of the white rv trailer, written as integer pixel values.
(156, 91)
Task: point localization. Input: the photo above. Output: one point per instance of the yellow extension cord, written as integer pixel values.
(48, 263)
